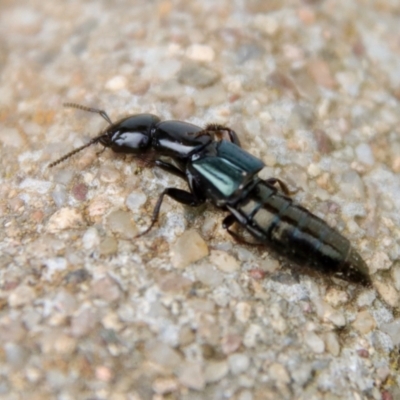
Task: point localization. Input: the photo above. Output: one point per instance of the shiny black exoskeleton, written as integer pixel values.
(220, 171)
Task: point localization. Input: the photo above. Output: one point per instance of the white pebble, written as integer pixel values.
(200, 52)
(238, 363)
(364, 154)
(314, 342)
(117, 82)
(91, 239)
(135, 200)
(36, 185)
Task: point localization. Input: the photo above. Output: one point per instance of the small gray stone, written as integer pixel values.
(393, 330)
(16, 355)
(197, 75)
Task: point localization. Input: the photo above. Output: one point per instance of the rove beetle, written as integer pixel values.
(219, 170)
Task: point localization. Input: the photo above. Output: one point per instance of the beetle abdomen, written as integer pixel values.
(297, 234)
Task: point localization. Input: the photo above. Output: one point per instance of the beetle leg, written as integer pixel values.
(216, 129)
(230, 220)
(170, 168)
(181, 196)
(101, 151)
(282, 185)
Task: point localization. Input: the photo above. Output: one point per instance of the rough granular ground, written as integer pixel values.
(89, 312)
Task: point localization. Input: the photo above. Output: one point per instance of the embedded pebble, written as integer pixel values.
(252, 334)
(20, 296)
(396, 276)
(83, 322)
(36, 185)
(208, 275)
(278, 373)
(210, 96)
(135, 200)
(16, 355)
(314, 342)
(364, 322)
(266, 23)
(351, 185)
(54, 265)
(117, 82)
(165, 385)
(120, 222)
(97, 208)
(174, 283)
(230, 343)
(11, 331)
(109, 174)
(108, 246)
(336, 297)
(380, 261)
(238, 363)
(59, 196)
(64, 344)
(106, 289)
(162, 354)
(65, 218)
(364, 154)
(224, 261)
(76, 277)
(303, 374)
(200, 52)
(388, 293)
(91, 239)
(332, 343)
(191, 376)
(63, 176)
(79, 191)
(103, 373)
(197, 75)
(215, 371)
(190, 247)
(243, 311)
(393, 330)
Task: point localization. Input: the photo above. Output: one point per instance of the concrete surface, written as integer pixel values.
(88, 312)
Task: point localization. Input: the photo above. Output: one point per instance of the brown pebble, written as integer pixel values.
(190, 247)
(108, 246)
(79, 191)
(321, 73)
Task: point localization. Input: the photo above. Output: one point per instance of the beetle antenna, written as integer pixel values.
(102, 113)
(77, 150)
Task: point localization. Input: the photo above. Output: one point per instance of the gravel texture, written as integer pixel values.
(89, 312)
